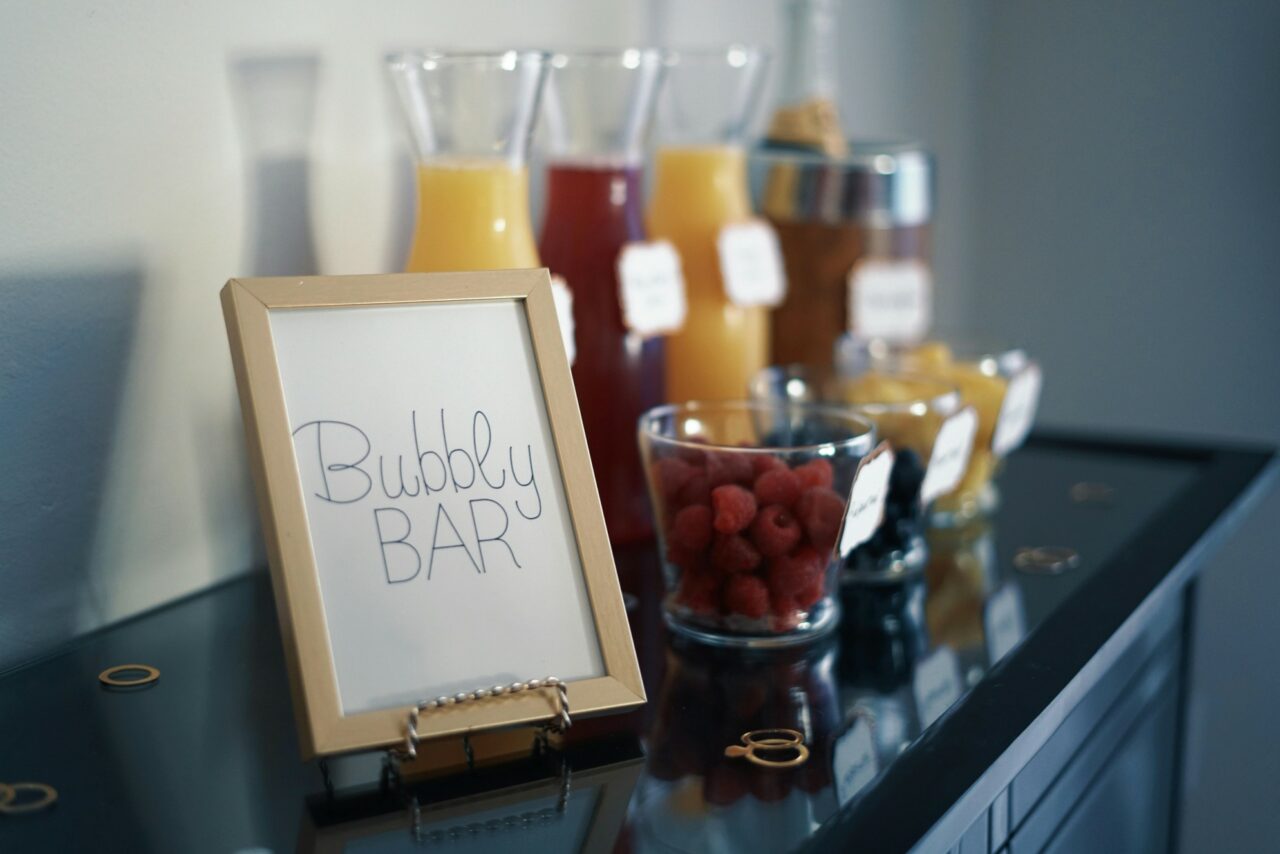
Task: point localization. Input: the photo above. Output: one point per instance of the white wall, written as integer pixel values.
(126, 202)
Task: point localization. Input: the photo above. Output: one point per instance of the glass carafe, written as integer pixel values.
(470, 117)
(597, 112)
(700, 186)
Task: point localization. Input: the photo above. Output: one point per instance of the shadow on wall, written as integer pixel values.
(275, 96)
(63, 359)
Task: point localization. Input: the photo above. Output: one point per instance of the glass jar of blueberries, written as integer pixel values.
(909, 412)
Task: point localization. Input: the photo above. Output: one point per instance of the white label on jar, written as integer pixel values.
(563, 298)
(1018, 412)
(751, 264)
(936, 685)
(1004, 621)
(853, 762)
(651, 288)
(866, 498)
(890, 300)
(950, 455)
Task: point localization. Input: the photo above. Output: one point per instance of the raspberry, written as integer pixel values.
(696, 490)
(699, 592)
(670, 475)
(791, 575)
(733, 554)
(687, 559)
(691, 528)
(746, 595)
(812, 592)
(735, 508)
(814, 473)
(728, 467)
(821, 511)
(778, 486)
(761, 463)
(775, 531)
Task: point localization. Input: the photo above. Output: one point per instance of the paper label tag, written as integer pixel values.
(853, 762)
(651, 287)
(950, 455)
(936, 685)
(1018, 412)
(564, 313)
(891, 300)
(866, 498)
(751, 264)
(1004, 621)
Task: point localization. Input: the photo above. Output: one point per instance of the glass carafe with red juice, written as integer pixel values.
(597, 112)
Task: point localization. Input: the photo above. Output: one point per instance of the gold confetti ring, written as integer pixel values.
(7, 794)
(48, 794)
(789, 737)
(108, 676)
(770, 741)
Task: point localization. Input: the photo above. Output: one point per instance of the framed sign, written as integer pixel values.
(431, 518)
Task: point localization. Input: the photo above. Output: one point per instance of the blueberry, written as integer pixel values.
(906, 478)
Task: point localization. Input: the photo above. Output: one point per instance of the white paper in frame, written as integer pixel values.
(427, 498)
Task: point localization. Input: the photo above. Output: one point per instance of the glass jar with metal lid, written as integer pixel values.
(855, 236)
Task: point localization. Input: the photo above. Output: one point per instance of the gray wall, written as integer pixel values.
(1127, 225)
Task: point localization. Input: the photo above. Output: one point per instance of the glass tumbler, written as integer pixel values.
(750, 499)
(470, 116)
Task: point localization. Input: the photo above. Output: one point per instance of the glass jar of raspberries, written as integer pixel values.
(750, 499)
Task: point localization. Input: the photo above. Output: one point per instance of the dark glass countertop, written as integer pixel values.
(921, 689)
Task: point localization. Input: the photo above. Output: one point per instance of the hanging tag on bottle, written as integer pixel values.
(867, 498)
(950, 455)
(751, 264)
(1018, 412)
(890, 300)
(651, 288)
(853, 761)
(564, 313)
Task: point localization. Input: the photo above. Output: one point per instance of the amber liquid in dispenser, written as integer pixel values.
(819, 259)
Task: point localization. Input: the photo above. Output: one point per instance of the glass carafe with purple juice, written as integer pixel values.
(597, 112)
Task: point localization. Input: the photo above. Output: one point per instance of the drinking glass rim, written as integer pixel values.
(513, 57)
(644, 56)
(860, 444)
(948, 401)
(735, 55)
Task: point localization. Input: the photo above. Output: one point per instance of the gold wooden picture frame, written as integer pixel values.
(324, 728)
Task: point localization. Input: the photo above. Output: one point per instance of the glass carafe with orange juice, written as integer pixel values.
(470, 117)
(700, 186)
(597, 111)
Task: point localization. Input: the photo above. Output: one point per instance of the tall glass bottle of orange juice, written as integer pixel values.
(471, 117)
(700, 187)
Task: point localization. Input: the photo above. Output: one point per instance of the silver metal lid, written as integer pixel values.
(878, 185)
